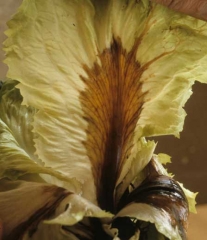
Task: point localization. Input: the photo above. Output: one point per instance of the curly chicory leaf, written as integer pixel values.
(17, 152)
(103, 75)
(24, 204)
(56, 50)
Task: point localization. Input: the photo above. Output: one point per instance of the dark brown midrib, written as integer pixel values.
(110, 168)
(113, 150)
(112, 103)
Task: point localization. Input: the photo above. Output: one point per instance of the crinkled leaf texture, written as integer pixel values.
(17, 156)
(24, 204)
(96, 78)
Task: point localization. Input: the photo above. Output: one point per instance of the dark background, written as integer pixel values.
(189, 153)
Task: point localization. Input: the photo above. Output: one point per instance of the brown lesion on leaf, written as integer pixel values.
(164, 193)
(45, 211)
(112, 103)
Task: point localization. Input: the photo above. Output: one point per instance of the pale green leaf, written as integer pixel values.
(148, 213)
(164, 158)
(52, 30)
(24, 204)
(17, 148)
(191, 197)
(17, 118)
(77, 209)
